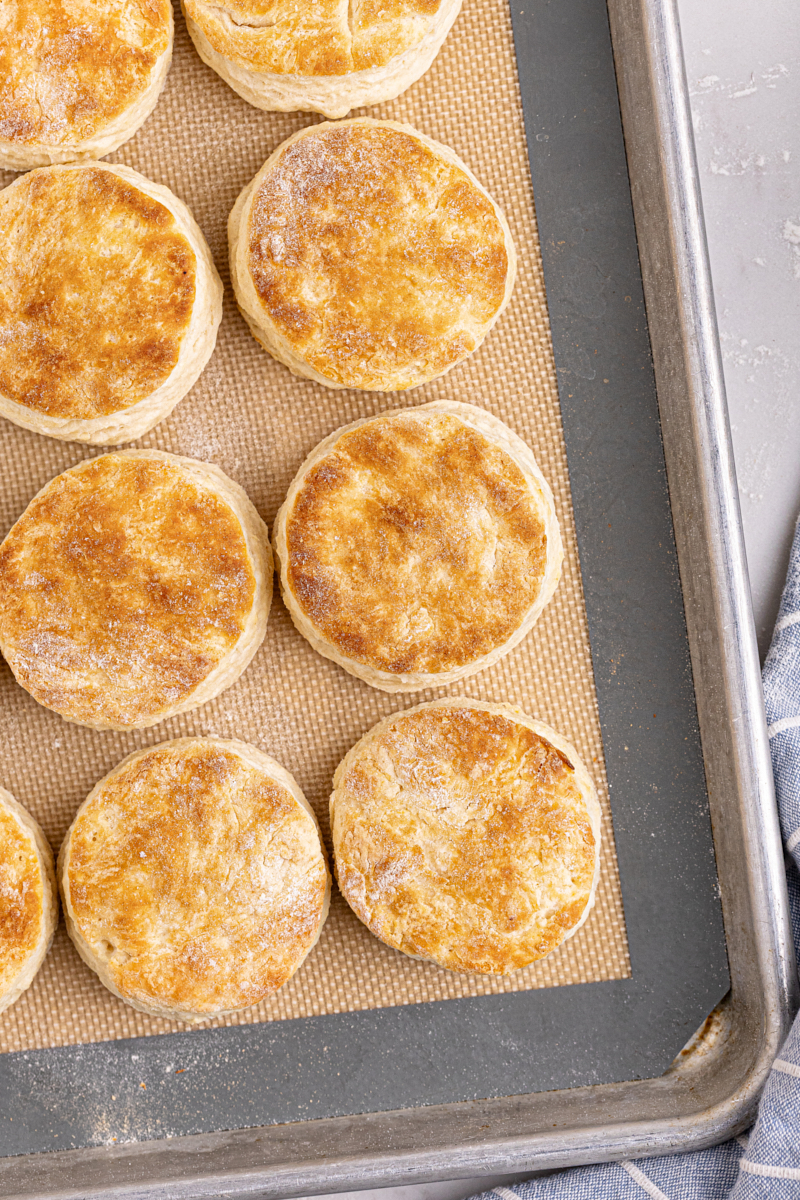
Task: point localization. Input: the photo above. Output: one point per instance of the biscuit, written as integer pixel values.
(28, 899)
(418, 547)
(466, 834)
(134, 586)
(78, 78)
(193, 879)
(366, 255)
(327, 57)
(109, 302)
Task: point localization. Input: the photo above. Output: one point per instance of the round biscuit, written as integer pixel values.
(134, 586)
(418, 547)
(366, 255)
(327, 57)
(109, 303)
(28, 899)
(78, 79)
(193, 878)
(467, 834)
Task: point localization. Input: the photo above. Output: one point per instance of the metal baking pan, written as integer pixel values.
(536, 1080)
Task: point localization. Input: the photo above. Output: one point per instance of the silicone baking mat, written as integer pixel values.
(257, 422)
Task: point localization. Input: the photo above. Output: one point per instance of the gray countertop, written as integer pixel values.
(743, 67)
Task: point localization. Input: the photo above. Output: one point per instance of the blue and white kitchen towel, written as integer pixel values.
(765, 1163)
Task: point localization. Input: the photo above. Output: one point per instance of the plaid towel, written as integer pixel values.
(765, 1163)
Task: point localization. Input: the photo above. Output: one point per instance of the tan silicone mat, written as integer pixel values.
(257, 422)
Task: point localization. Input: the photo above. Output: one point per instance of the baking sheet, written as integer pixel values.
(257, 422)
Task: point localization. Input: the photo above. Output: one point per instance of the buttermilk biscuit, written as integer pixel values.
(28, 899)
(133, 587)
(418, 547)
(366, 255)
(467, 834)
(109, 302)
(78, 77)
(193, 879)
(328, 57)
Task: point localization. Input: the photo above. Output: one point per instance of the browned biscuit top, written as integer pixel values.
(21, 897)
(96, 292)
(68, 68)
(197, 880)
(328, 37)
(376, 257)
(416, 544)
(122, 586)
(461, 836)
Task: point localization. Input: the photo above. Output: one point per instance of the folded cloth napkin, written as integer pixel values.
(765, 1162)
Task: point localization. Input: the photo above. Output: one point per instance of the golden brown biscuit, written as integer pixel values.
(109, 302)
(133, 587)
(28, 899)
(193, 878)
(77, 77)
(467, 834)
(418, 547)
(366, 255)
(325, 57)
